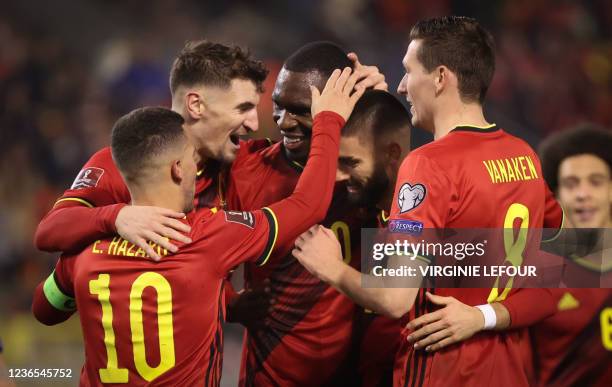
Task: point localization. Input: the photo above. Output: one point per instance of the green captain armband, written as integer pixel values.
(56, 296)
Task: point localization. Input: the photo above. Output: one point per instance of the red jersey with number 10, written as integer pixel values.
(471, 178)
(144, 321)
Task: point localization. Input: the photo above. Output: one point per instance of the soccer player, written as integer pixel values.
(449, 65)
(573, 345)
(306, 337)
(122, 301)
(216, 89)
(201, 70)
(373, 144)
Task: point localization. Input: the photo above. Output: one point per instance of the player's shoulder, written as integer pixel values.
(101, 160)
(210, 223)
(517, 142)
(430, 154)
(103, 156)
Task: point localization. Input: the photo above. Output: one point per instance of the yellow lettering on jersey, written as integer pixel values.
(164, 323)
(120, 246)
(496, 173)
(502, 170)
(122, 250)
(489, 170)
(532, 168)
(511, 169)
(130, 251)
(524, 168)
(112, 247)
(511, 175)
(517, 171)
(95, 249)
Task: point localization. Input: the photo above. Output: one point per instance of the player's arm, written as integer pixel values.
(95, 207)
(54, 300)
(456, 321)
(283, 221)
(309, 202)
(319, 251)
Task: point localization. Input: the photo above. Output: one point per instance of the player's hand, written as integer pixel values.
(139, 224)
(251, 306)
(453, 323)
(339, 95)
(369, 76)
(319, 251)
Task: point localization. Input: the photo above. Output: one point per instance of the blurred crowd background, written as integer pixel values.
(69, 68)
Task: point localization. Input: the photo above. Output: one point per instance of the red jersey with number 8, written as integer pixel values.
(479, 178)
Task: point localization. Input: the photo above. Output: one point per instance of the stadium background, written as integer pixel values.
(69, 68)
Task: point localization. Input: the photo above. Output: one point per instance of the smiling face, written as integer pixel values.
(227, 113)
(291, 99)
(585, 190)
(362, 169)
(418, 87)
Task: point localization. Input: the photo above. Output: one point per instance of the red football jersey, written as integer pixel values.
(99, 183)
(574, 346)
(144, 321)
(471, 178)
(308, 334)
(377, 339)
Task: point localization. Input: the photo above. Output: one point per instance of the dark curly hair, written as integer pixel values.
(584, 139)
(214, 64)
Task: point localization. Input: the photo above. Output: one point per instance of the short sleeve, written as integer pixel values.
(422, 193)
(243, 236)
(98, 184)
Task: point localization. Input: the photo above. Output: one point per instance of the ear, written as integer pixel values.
(194, 104)
(393, 157)
(442, 77)
(394, 152)
(176, 171)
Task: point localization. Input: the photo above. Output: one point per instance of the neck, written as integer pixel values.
(158, 195)
(457, 113)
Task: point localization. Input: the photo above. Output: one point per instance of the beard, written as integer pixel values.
(372, 190)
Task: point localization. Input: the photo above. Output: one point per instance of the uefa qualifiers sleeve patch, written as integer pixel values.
(410, 197)
(403, 226)
(242, 217)
(87, 178)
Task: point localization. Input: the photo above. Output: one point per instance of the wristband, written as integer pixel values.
(490, 318)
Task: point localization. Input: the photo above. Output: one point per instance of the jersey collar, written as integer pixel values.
(293, 164)
(479, 129)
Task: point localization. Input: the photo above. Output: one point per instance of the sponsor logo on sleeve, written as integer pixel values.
(410, 196)
(404, 226)
(243, 217)
(87, 178)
